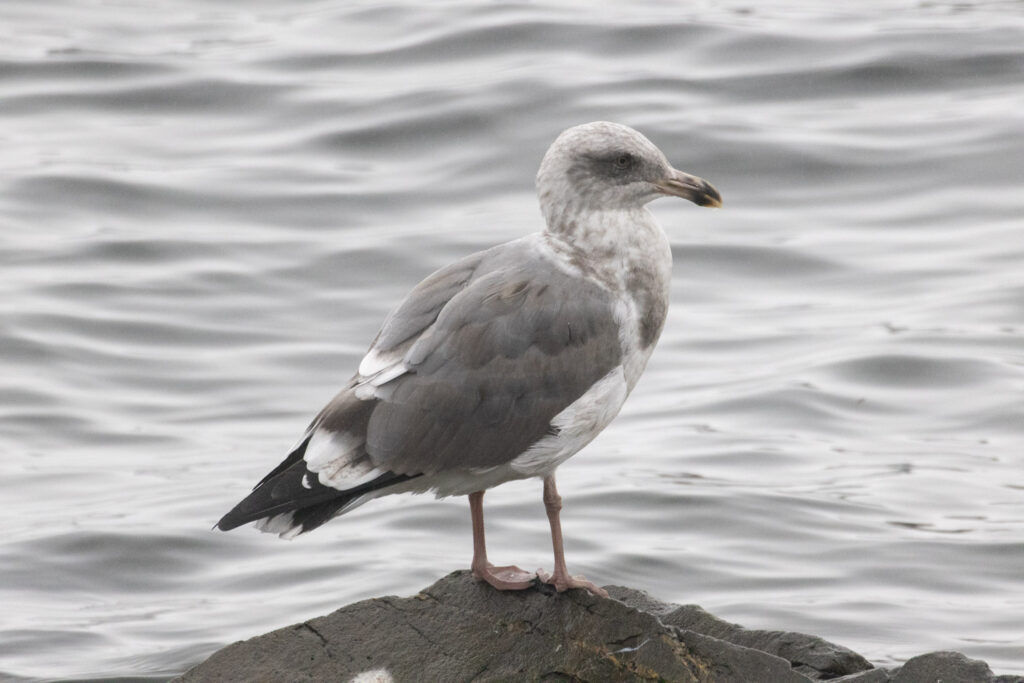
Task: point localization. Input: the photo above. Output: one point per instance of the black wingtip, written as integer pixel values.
(230, 521)
(312, 505)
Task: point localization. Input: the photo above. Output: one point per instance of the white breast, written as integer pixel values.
(576, 426)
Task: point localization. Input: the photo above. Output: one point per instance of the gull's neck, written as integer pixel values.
(627, 253)
(610, 245)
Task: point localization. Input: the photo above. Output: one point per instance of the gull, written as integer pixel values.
(505, 363)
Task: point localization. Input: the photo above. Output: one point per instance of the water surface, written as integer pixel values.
(207, 209)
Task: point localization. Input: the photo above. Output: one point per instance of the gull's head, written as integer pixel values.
(604, 166)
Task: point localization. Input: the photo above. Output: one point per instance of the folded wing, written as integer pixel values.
(466, 373)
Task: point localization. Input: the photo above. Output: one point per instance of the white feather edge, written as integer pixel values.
(276, 524)
(374, 363)
(284, 524)
(330, 454)
(377, 369)
(338, 460)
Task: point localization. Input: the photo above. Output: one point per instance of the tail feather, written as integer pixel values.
(291, 500)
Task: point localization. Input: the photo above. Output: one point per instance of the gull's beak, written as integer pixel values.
(697, 190)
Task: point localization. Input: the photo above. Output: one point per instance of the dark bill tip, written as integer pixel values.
(692, 188)
(709, 196)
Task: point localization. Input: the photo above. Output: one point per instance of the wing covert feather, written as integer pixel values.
(421, 307)
(516, 345)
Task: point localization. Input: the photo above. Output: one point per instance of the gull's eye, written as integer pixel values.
(624, 161)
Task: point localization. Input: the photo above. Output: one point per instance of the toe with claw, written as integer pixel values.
(563, 582)
(508, 578)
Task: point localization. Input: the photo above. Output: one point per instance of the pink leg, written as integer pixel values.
(561, 579)
(510, 578)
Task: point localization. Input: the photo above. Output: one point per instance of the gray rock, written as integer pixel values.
(869, 676)
(943, 667)
(459, 630)
(810, 655)
(735, 663)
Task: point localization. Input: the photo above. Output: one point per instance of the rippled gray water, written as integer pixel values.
(207, 208)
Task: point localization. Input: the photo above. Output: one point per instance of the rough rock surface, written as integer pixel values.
(459, 630)
(948, 667)
(809, 655)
